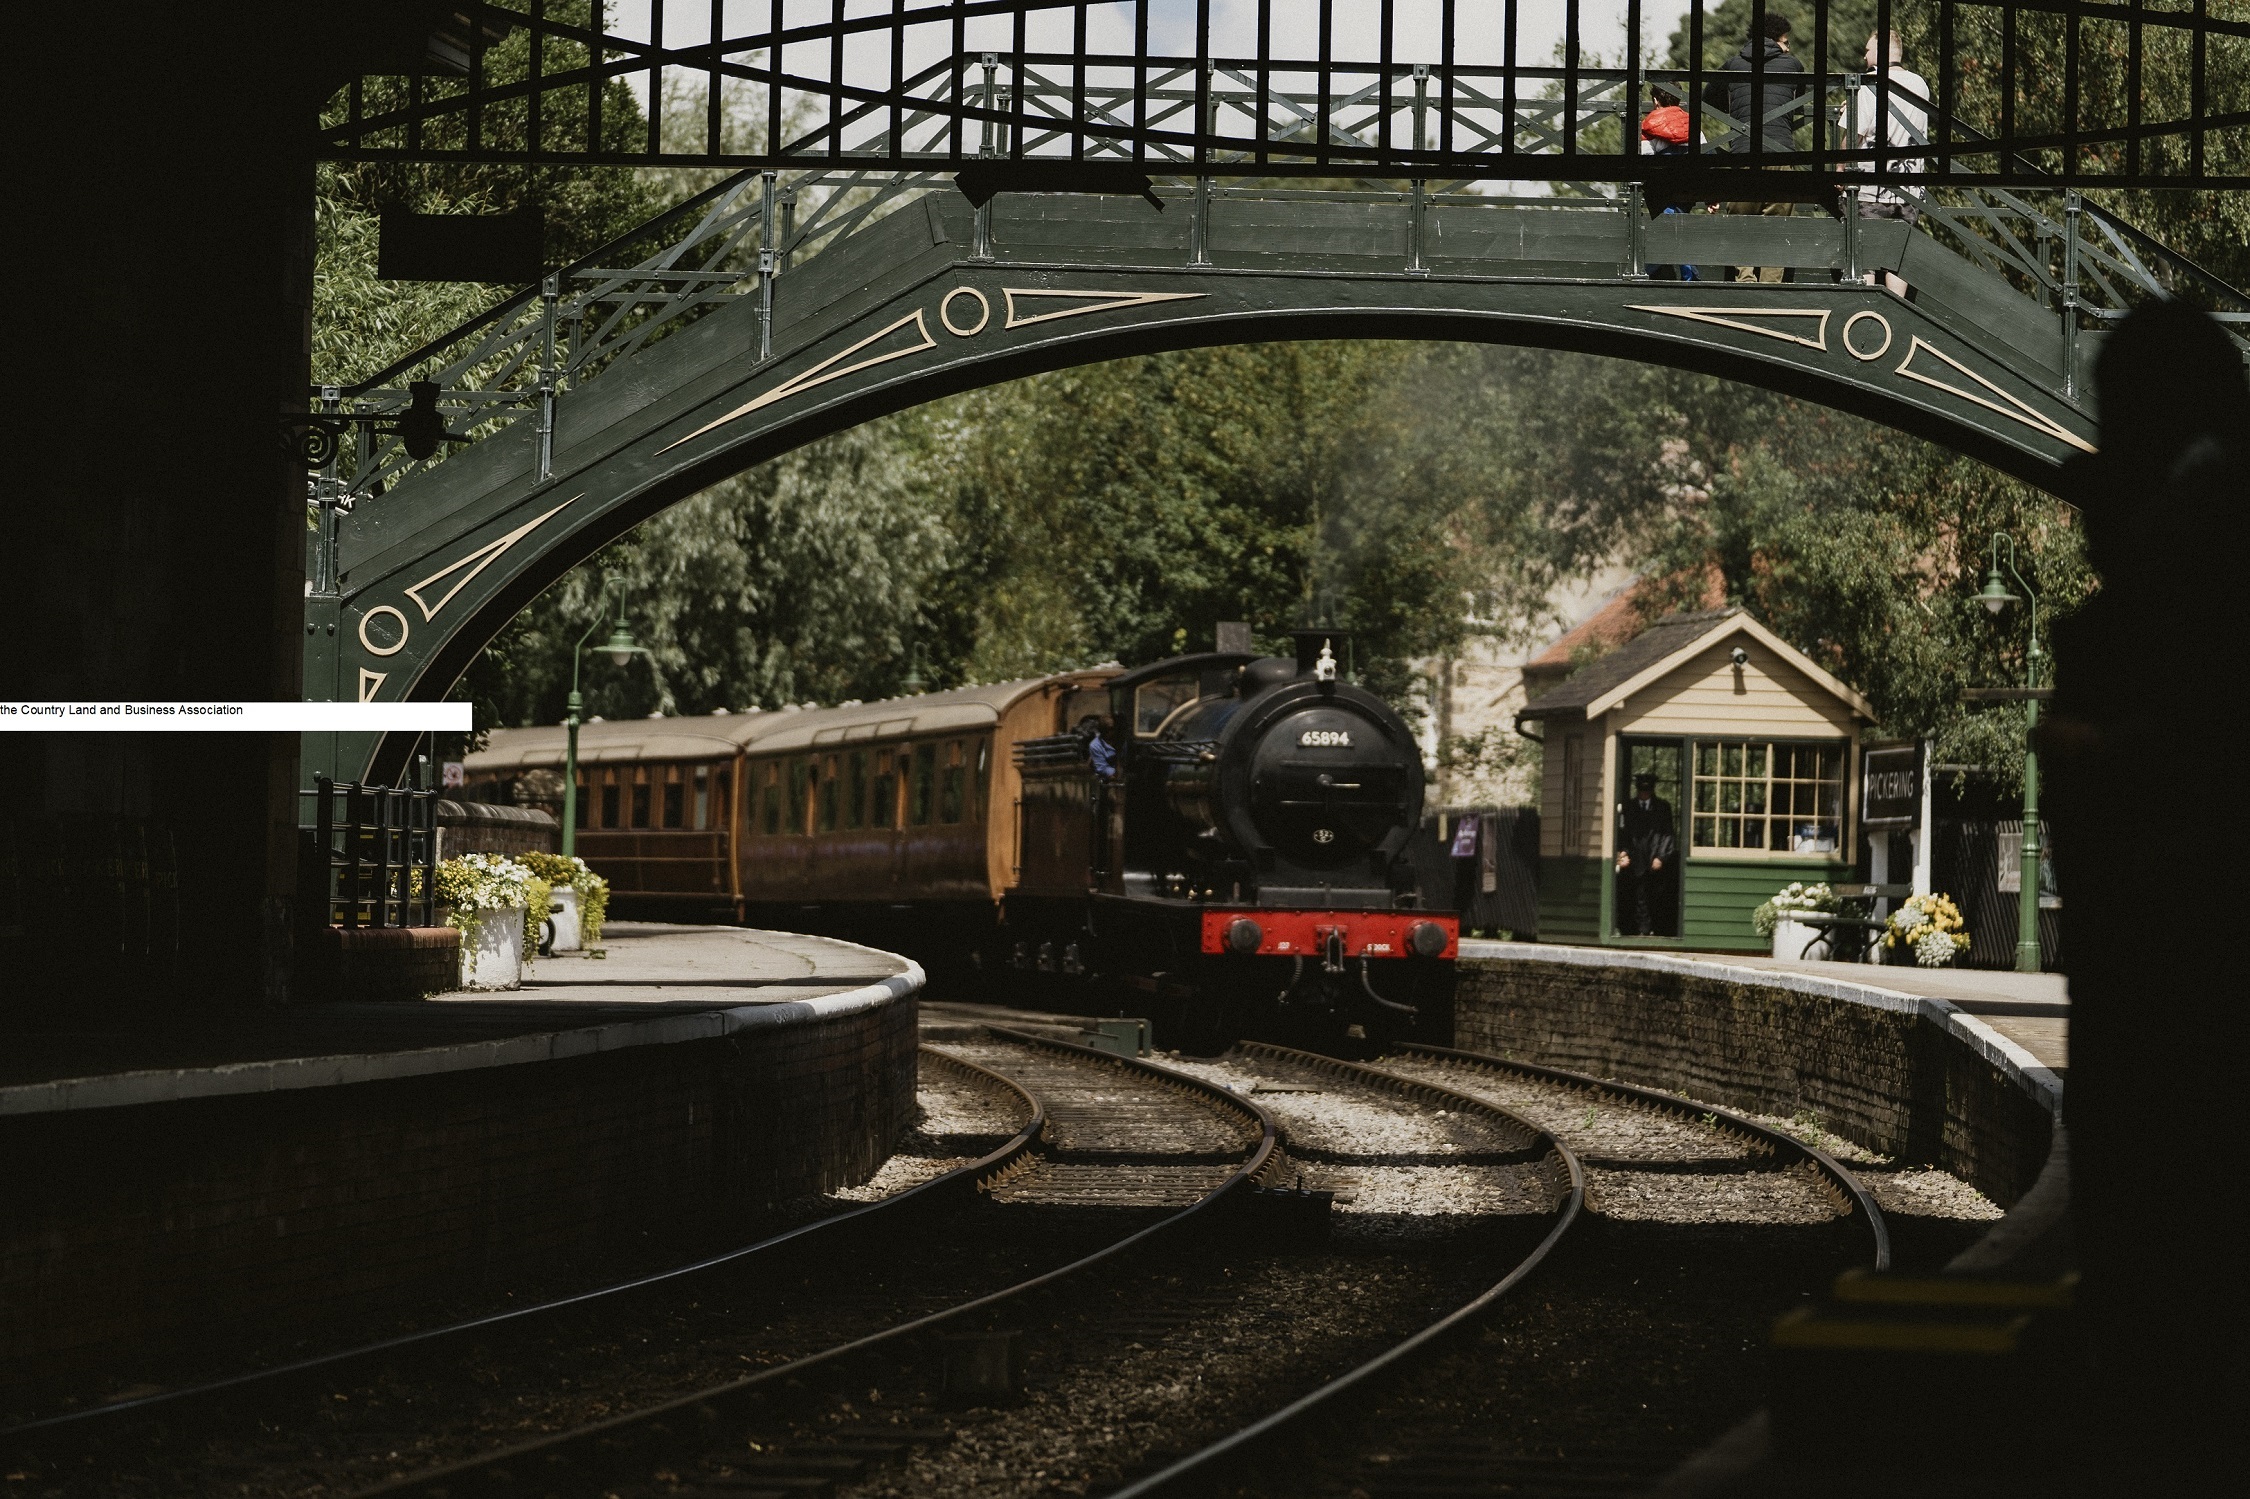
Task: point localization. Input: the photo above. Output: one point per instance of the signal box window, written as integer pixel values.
(675, 803)
(919, 790)
(886, 790)
(828, 790)
(640, 805)
(1776, 798)
(772, 819)
(855, 791)
(609, 805)
(953, 787)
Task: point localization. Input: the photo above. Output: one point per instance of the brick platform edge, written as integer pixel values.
(301, 1199)
(386, 963)
(1907, 1076)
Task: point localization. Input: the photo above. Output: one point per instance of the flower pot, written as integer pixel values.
(1790, 937)
(563, 933)
(493, 958)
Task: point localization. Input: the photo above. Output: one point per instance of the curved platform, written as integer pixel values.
(290, 1173)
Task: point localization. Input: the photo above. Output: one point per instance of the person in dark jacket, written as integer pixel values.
(1647, 852)
(1780, 106)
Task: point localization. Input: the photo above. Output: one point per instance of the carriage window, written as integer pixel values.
(919, 789)
(640, 805)
(800, 793)
(953, 785)
(773, 799)
(984, 763)
(1153, 702)
(886, 790)
(583, 807)
(609, 804)
(723, 806)
(702, 796)
(855, 791)
(829, 788)
(1779, 798)
(675, 803)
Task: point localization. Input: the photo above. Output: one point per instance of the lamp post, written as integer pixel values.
(1995, 597)
(620, 648)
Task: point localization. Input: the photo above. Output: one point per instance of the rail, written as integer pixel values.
(198, 1400)
(1198, 1468)
(614, 1445)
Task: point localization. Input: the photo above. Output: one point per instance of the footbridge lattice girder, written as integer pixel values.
(937, 298)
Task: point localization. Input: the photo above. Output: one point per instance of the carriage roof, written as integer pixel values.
(718, 736)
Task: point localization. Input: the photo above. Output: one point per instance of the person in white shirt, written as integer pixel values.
(1909, 125)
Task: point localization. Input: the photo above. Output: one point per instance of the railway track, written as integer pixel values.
(1131, 1157)
(1418, 1420)
(157, 1442)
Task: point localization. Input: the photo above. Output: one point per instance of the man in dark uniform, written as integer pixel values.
(1647, 851)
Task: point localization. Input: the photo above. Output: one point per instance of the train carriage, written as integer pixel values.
(1218, 840)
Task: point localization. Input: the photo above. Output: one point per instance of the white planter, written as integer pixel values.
(494, 959)
(1790, 937)
(562, 921)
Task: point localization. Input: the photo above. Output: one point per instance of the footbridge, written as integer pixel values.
(791, 301)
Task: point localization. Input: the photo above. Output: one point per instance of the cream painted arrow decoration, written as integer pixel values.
(1734, 317)
(2013, 409)
(831, 368)
(1090, 301)
(483, 557)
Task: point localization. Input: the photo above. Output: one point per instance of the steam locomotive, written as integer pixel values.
(1217, 841)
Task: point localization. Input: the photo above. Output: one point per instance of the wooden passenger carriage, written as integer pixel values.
(825, 818)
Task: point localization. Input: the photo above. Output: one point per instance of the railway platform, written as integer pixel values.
(175, 1185)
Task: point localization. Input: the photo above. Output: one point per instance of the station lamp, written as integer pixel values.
(1995, 596)
(621, 648)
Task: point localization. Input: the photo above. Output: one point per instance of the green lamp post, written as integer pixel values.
(1995, 597)
(620, 648)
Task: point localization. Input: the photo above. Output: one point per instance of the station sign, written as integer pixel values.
(1892, 796)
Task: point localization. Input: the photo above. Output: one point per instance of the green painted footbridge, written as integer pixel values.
(1197, 204)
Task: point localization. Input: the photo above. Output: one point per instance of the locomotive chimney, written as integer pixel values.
(1312, 643)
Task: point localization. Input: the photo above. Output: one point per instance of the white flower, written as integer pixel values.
(1935, 950)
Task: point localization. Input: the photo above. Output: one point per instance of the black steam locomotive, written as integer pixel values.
(1229, 839)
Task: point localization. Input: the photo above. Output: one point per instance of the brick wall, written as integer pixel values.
(1894, 1080)
(384, 963)
(133, 1233)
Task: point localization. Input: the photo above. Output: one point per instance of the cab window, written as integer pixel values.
(1153, 702)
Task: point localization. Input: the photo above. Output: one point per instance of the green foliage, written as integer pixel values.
(593, 891)
(799, 580)
(1125, 509)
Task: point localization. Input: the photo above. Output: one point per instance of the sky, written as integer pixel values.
(1481, 32)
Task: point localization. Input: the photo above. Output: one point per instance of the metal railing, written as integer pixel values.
(1305, 86)
(375, 851)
